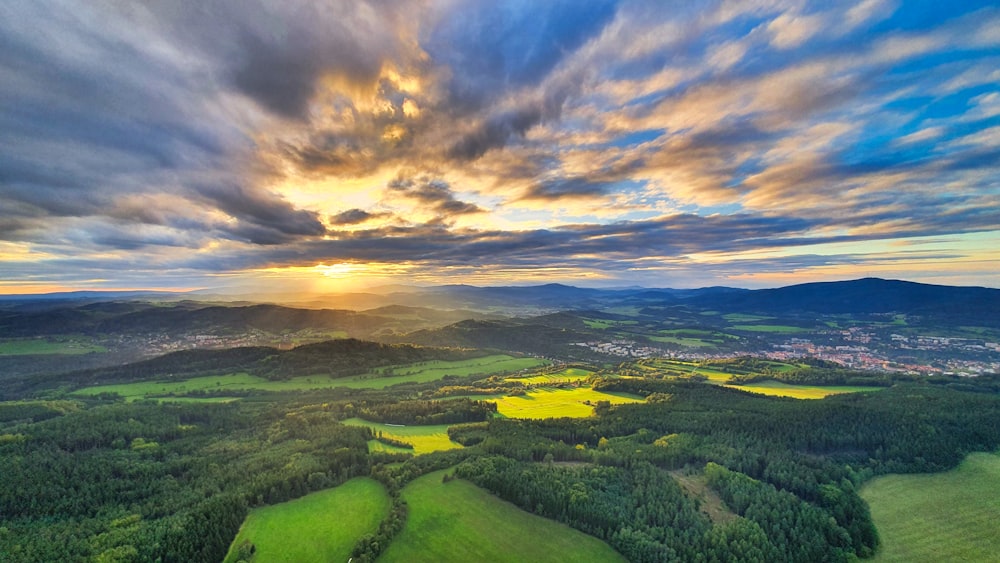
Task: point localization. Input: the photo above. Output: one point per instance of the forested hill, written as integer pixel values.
(864, 296)
(856, 297)
(521, 335)
(334, 358)
(188, 317)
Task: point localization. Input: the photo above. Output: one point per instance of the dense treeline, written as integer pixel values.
(180, 318)
(799, 531)
(510, 335)
(639, 511)
(147, 482)
(333, 358)
(454, 411)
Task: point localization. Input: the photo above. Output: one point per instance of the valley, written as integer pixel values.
(644, 431)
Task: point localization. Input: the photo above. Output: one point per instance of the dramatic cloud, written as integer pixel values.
(617, 141)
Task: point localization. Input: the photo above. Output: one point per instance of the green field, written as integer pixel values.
(779, 389)
(744, 318)
(425, 439)
(457, 521)
(421, 372)
(602, 324)
(321, 526)
(561, 376)
(37, 346)
(950, 516)
(777, 329)
(694, 338)
(556, 403)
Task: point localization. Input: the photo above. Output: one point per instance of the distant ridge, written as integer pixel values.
(866, 296)
(861, 296)
(90, 294)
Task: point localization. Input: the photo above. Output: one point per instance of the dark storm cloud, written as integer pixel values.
(495, 133)
(263, 217)
(277, 53)
(434, 245)
(432, 193)
(568, 188)
(354, 217)
(104, 102)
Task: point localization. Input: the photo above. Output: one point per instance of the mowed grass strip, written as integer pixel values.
(422, 372)
(555, 403)
(321, 526)
(457, 521)
(777, 329)
(425, 439)
(949, 516)
(39, 347)
(779, 389)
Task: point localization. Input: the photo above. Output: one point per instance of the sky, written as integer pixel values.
(321, 146)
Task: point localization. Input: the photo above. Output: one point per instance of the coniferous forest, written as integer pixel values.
(147, 481)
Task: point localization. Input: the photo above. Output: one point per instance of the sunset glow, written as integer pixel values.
(337, 145)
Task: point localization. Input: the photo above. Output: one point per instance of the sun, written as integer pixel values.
(340, 270)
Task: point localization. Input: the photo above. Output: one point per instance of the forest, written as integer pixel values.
(99, 479)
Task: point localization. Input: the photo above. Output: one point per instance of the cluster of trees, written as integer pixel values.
(640, 511)
(149, 482)
(454, 411)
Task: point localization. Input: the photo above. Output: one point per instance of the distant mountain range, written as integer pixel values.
(440, 305)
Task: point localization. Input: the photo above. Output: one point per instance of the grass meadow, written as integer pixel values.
(322, 526)
(457, 521)
(425, 439)
(776, 329)
(39, 347)
(421, 372)
(949, 516)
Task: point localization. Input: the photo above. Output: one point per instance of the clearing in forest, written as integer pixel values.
(548, 402)
(322, 526)
(457, 521)
(949, 516)
(779, 389)
(424, 439)
(378, 378)
(562, 376)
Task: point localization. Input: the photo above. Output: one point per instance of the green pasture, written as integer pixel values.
(950, 516)
(555, 403)
(744, 318)
(39, 347)
(602, 324)
(776, 329)
(681, 341)
(457, 521)
(425, 439)
(322, 526)
(779, 389)
(419, 372)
